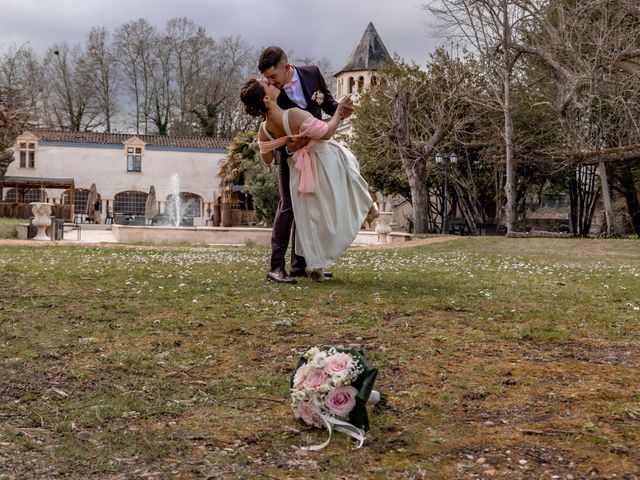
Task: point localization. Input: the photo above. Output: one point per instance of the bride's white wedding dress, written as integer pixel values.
(328, 218)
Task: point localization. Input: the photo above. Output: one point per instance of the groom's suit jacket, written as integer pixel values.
(312, 81)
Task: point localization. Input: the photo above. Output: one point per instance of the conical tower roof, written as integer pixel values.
(369, 54)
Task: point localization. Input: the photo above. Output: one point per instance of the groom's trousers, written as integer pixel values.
(284, 224)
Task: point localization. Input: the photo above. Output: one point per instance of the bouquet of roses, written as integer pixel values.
(331, 385)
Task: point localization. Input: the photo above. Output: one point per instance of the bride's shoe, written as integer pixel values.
(316, 274)
(374, 213)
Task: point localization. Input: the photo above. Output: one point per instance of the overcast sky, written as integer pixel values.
(312, 28)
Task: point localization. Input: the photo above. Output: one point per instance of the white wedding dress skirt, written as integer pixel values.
(328, 220)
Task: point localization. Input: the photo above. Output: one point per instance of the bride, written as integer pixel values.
(330, 198)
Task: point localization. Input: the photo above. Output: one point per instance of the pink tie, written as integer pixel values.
(290, 84)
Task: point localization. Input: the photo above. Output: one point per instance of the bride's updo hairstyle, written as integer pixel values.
(252, 95)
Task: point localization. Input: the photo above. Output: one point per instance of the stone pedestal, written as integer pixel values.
(41, 219)
(383, 229)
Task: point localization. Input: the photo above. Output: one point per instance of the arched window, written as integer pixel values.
(80, 197)
(130, 202)
(11, 195)
(352, 85)
(35, 195)
(360, 84)
(374, 81)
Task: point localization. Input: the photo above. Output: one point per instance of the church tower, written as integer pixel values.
(359, 73)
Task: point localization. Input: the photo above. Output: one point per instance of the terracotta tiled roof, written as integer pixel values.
(369, 54)
(63, 136)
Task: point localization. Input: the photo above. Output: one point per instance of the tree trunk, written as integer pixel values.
(628, 189)
(420, 201)
(606, 200)
(583, 192)
(509, 186)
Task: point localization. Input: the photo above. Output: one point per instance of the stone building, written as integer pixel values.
(359, 72)
(60, 167)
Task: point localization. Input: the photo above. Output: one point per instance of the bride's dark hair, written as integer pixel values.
(252, 95)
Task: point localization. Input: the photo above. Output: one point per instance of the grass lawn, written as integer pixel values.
(502, 358)
(8, 226)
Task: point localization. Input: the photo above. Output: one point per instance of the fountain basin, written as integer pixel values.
(222, 235)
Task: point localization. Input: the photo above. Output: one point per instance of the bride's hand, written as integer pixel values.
(297, 143)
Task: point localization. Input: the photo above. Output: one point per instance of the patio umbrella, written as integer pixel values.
(92, 199)
(151, 206)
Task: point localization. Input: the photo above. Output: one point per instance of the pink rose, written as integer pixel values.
(300, 376)
(308, 414)
(314, 379)
(337, 364)
(341, 400)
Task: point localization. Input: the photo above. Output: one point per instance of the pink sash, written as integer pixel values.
(313, 128)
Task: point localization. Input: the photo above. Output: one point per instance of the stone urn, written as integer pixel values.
(41, 219)
(383, 227)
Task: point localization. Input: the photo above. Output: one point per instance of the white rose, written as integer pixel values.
(311, 352)
(318, 360)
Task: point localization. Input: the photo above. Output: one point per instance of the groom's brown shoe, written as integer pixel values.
(280, 275)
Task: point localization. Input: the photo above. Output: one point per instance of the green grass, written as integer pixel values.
(8, 226)
(123, 362)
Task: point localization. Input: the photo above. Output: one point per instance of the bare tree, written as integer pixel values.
(192, 55)
(488, 27)
(218, 108)
(591, 51)
(162, 101)
(73, 100)
(14, 103)
(133, 43)
(25, 87)
(100, 71)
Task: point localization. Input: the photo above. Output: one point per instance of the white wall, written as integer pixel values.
(107, 168)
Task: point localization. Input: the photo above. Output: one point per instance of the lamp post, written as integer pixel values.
(446, 160)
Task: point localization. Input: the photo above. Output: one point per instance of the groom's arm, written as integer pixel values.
(329, 104)
(315, 82)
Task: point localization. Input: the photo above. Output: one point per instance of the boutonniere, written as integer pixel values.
(318, 97)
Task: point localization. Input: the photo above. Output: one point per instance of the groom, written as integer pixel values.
(305, 88)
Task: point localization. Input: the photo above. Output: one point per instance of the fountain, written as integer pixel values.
(173, 207)
(179, 208)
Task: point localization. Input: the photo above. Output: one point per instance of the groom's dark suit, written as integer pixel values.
(311, 81)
